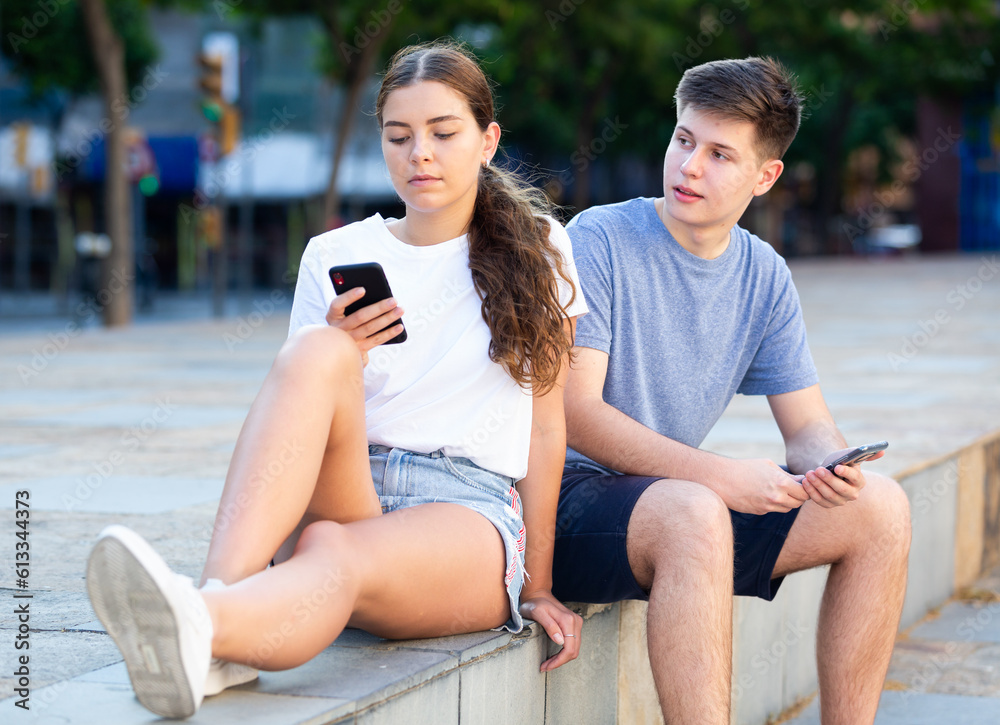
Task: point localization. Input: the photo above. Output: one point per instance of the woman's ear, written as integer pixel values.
(491, 140)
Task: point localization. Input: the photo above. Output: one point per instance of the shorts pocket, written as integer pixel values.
(486, 481)
(378, 460)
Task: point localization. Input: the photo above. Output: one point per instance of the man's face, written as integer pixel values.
(711, 171)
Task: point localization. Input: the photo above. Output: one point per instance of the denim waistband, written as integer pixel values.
(374, 448)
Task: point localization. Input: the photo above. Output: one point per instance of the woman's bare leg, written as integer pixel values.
(425, 571)
(302, 452)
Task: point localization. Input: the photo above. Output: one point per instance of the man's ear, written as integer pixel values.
(769, 173)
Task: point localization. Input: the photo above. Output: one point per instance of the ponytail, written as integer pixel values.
(512, 262)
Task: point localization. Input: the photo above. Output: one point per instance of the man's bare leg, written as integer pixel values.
(867, 543)
(680, 548)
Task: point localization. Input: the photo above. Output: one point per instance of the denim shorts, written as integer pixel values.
(404, 478)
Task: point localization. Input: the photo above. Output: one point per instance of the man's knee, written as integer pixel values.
(887, 513)
(676, 521)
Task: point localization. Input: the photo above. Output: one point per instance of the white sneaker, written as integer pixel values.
(221, 673)
(156, 617)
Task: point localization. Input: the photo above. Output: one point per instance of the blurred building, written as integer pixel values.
(52, 161)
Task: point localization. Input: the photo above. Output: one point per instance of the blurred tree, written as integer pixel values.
(359, 36)
(79, 47)
(863, 64)
(573, 74)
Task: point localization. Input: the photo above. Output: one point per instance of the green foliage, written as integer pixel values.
(565, 69)
(565, 66)
(46, 43)
(865, 63)
(351, 25)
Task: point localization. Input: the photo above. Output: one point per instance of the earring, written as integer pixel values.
(486, 163)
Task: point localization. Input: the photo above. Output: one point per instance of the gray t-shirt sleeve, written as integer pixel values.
(593, 263)
(783, 362)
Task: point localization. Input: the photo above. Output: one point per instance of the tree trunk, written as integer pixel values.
(108, 49)
(360, 69)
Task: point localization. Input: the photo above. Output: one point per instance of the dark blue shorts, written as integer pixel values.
(590, 563)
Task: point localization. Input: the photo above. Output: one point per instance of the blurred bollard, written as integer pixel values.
(91, 251)
(888, 239)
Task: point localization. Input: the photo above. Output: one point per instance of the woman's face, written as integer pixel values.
(434, 148)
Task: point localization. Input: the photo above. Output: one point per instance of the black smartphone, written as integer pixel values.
(856, 455)
(370, 276)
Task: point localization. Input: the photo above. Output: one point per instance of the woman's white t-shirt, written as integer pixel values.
(438, 390)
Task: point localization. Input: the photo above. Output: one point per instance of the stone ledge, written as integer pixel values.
(493, 677)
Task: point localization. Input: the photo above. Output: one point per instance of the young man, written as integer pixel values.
(686, 310)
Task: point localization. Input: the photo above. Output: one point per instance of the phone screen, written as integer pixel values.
(370, 276)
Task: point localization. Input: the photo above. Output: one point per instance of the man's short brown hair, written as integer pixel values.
(758, 90)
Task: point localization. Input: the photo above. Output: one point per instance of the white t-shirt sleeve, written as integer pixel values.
(560, 240)
(311, 300)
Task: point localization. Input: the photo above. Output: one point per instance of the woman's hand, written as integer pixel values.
(365, 324)
(562, 625)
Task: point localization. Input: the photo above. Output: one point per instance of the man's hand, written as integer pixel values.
(760, 486)
(829, 490)
(562, 625)
(364, 324)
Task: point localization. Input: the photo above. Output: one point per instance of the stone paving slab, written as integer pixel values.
(71, 401)
(884, 376)
(86, 702)
(902, 708)
(117, 494)
(945, 669)
(965, 621)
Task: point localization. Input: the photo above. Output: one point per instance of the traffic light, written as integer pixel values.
(22, 132)
(229, 129)
(212, 105)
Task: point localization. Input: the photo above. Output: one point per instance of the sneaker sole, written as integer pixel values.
(121, 582)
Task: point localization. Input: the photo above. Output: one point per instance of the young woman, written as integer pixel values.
(380, 479)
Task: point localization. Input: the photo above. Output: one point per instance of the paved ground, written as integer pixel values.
(944, 670)
(137, 426)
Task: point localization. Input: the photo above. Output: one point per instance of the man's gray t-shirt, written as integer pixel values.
(684, 334)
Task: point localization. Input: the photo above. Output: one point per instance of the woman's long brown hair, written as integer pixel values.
(510, 255)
